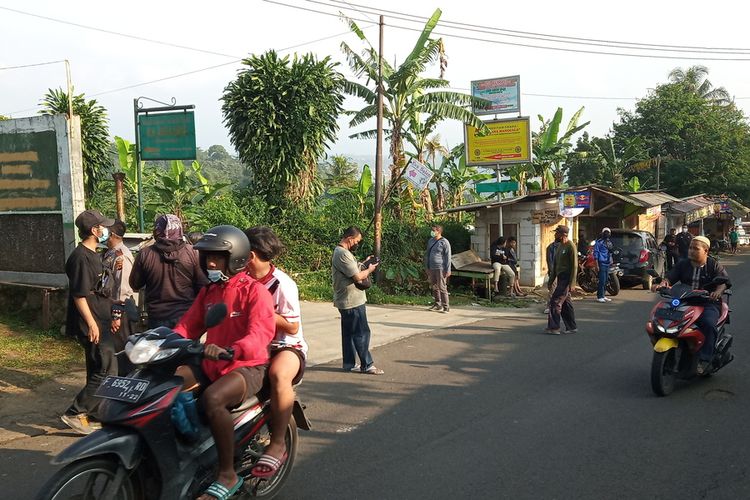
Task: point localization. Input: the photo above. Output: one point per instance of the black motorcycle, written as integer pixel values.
(140, 453)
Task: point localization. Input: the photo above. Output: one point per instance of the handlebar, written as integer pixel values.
(229, 356)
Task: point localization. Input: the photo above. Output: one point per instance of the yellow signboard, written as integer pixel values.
(509, 141)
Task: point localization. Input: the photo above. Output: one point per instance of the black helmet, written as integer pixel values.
(227, 239)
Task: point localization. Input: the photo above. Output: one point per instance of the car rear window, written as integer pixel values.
(627, 241)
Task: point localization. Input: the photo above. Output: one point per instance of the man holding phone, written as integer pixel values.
(349, 297)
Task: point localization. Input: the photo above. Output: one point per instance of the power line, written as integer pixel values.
(525, 45)
(561, 38)
(117, 33)
(32, 65)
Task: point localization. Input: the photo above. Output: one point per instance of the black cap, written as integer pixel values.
(118, 228)
(562, 229)
(90, 218)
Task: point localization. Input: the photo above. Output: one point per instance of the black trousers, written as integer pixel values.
(100, 362)
(560, 306)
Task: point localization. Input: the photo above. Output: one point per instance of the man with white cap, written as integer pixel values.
(602, 261)
(698, 271)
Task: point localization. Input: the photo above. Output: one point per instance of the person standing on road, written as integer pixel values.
(602, 261)
(350, 301)
(89, 316)
(437, 261)
(682, 241)
(564, 270)
(670, 244)
(119, 259)
(170, 271)
(734, 239)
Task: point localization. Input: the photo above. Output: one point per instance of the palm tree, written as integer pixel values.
(407, 95)
(338, 171)
(95, 146)
(695, 78)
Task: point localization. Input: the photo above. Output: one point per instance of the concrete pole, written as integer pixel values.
(379, 153)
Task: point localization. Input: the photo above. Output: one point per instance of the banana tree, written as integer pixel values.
(183, 191)
(360, 191)
(458, 175)
(550, 148)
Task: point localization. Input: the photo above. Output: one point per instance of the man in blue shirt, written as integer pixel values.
(602, 260)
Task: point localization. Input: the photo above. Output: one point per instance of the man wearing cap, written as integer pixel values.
(119, 259)
(698, 271)
(602, 261)
(89, 316)
(170, 271)
(564, 270)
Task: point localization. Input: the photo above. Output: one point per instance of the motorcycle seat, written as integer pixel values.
(246, 404)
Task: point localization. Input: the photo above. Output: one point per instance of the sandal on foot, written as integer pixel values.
(374, 370)
(271, 464)
(221, 492)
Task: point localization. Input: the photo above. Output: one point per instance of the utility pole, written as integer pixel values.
(658, 170)
(379, 151)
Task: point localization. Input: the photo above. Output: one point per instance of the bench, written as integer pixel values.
(469, 265)
(46, 291)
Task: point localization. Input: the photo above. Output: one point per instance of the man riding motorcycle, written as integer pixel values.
(698, 271)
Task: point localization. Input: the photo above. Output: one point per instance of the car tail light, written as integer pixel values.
(643, 257)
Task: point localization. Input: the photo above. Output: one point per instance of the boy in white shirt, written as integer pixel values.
(288, 348)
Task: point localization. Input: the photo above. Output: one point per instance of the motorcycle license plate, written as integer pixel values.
(671, 314)
(125, 389)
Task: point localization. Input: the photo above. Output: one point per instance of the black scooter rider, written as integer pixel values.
(697, 271)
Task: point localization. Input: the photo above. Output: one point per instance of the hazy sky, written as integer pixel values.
(102, 63)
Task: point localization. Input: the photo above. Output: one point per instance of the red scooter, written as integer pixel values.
(676, 338)
(588, 277)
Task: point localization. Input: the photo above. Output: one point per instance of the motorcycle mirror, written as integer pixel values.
(216, 314)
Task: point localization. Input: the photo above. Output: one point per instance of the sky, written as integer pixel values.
(215, 36)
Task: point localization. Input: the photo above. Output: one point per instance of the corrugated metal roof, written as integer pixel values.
(654, 198)
(688, 205)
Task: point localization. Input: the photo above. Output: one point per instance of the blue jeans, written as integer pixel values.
(603, 274)
(707, 325)
(355, 337)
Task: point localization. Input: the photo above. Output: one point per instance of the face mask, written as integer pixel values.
(354, 247)
(432, 234)
(684, 230)
(214, 276)
(105, 235)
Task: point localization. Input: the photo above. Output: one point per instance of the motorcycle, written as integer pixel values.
(588, 277)
(677, 340)
(141, 453)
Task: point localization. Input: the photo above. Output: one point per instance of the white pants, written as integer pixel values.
(504, 269)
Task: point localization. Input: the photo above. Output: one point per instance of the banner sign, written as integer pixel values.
(497, 187)
(504, 95)
(723, 207)
(577, 199)
(508, 142)
(167, 136)
(418, 175)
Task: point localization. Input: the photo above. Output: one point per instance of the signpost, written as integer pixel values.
(162, 133)
(497, 187)
(418, 175)
(504, 95)
(508, 142)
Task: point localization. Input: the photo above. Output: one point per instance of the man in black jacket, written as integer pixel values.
(698, 271)
(682, 241)
(170, 271)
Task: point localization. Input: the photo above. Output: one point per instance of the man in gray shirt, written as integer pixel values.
(350, 301)
(437, 260)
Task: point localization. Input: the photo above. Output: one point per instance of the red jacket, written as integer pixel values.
(249, 327)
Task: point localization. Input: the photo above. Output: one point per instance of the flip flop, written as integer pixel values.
(221, 492)
(272, 465)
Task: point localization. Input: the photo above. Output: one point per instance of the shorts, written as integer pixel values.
(253, 376)
(301, 372)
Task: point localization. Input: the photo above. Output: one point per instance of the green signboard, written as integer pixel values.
(497, 187)
(29, 172)
(167, 136)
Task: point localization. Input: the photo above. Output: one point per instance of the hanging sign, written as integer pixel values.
(576, 199)
(508, 142)
(167, 136)
(418, 175)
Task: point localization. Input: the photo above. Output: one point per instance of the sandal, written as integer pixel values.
(221, 492)
(374, 370)
(271, 464)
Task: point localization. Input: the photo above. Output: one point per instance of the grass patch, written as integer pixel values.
(38, 354)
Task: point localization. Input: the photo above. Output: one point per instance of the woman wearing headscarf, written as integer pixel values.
(170, 271)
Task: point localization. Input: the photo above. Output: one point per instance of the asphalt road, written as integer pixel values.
(497, 409)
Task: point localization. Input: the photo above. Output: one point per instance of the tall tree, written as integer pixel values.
(695, 79)
(281, 115)
(551, 149)
(95, 143)
(407, 94)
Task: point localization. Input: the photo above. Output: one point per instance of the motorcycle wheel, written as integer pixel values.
(89, 478)
(662, 372)
(586, 283)
(267, 488)
(613, 285)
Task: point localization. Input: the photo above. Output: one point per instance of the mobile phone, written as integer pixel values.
(370, 261)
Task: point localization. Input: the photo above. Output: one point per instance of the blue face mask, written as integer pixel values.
(105, 235)
(214, 276)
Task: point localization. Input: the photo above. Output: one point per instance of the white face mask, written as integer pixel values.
(105, 235)
(214, 276)
(684, 230)
(433, 234)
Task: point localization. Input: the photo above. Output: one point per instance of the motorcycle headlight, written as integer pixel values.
(673, 329)
(146, 350)
(660, 328)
